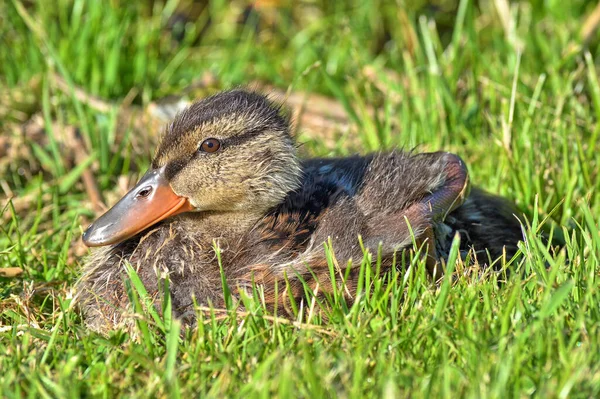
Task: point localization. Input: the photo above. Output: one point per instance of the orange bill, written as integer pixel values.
(149, 202)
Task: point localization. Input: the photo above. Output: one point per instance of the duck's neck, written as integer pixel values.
(215, 225)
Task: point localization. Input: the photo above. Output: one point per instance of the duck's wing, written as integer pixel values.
(324, 181)
(389, 200)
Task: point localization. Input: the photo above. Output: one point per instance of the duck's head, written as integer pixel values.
(228, 153)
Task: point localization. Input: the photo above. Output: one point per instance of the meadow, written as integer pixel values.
(512, 87)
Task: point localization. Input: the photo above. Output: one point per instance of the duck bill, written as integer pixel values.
(149, 202)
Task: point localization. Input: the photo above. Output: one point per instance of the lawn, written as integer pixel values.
(512, 87)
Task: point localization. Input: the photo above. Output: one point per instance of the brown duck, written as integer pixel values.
(226, 176)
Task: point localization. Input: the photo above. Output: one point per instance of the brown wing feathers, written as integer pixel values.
(437, 184)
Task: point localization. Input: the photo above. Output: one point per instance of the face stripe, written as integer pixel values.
(175, 166)
(234, 118)
(242, 138)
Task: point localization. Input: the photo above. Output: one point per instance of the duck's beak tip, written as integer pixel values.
(86, 237)
(95, 236)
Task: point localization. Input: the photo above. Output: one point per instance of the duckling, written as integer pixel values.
(226, 177)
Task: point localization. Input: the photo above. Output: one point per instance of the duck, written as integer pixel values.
(228, 196)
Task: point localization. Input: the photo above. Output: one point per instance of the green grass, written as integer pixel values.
(514, 91)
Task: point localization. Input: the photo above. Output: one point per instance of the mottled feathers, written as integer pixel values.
(269, 214)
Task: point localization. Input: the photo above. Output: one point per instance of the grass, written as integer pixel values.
(511, 87)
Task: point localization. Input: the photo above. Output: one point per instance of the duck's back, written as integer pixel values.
(373, 188)
(324, 181)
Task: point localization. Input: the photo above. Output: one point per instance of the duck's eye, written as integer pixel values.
(210, 145)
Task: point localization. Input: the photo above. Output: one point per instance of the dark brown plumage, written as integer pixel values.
(269, 213)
